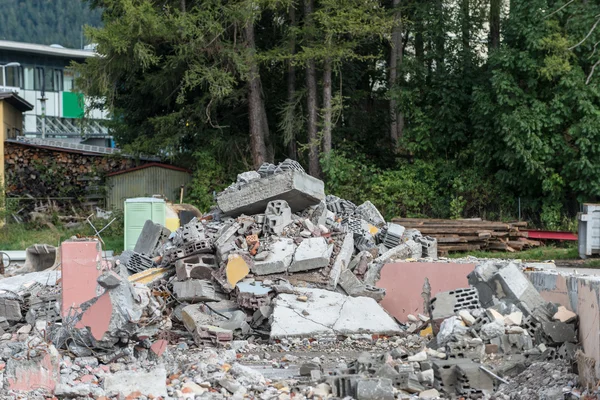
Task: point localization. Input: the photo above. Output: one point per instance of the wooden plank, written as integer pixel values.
(451, 240)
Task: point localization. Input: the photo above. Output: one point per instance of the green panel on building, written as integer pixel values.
(72, 105)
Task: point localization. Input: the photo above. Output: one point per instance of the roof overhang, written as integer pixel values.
(16, 101)
(45, 50)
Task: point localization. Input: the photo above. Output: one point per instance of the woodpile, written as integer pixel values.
(471, 234)
(47, 180)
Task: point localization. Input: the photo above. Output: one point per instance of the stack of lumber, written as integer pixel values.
(471, 234)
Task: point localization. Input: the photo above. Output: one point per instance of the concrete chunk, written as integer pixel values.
(354, 287)
(279, 259)
(564, 315)
(375, 389)
(328, 313)
(299, 189)
(152, 383)
(342, 260)
(196, 290)
(312, 253)
(10, 309)
(370, 213)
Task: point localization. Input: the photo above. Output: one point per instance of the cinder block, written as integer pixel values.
(138, 262)
(150, 238)
(200, 266)
(278, 215)
(446, 304)
(471, 381)
(194, 290)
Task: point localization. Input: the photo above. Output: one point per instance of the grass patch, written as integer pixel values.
(21, 236)
(538, 254)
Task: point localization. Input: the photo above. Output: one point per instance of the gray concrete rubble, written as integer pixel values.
(274, 295)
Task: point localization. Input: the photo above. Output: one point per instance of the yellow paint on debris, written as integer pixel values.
(427, 331)
(236, 269)
(373, 229)
(150, 275)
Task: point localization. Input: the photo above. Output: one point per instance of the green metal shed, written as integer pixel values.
(145, 181)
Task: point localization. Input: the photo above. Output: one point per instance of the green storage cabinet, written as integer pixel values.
(137, 212)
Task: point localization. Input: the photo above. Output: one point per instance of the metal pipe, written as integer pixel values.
(493, 374)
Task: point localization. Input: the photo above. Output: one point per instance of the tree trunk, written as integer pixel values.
(291, 84)
(270, 156)
(255, 104)
(440, 39)
(396, 118)
(495, 7)
(311, 102)
(327, 112)
(465, 25)
(182, 5)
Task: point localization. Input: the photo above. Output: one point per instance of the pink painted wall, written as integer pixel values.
(404, 281)
(31, 374)
(81, 265)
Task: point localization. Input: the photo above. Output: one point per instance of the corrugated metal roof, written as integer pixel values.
(46, 50)
(159, 165)
(71, 147)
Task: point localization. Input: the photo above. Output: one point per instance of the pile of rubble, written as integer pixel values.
(271, 295)
(274, 229)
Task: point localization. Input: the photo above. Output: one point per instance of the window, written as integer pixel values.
(28, 73)
(68, 80)
(13, 76)
(58, 80)
(38, 78)
(49, 79)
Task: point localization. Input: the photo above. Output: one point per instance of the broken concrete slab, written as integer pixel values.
(328, 313)
(375, 389)
(312, 253)
(151, 236)
(355, 288)
(31, 373)
(279, 259)
(559, 332)
(506, 281)
(152, 383)
(297, 188)
(371, 214)
(342, 261)
(81, 265)
(10, 309)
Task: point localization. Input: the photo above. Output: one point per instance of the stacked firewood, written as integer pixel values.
(454, 235)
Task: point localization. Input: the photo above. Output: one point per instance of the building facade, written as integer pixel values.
(42, 76)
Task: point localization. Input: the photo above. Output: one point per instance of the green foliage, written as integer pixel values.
(209, 178)
(482, 129)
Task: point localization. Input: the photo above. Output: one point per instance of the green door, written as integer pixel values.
(137, 212)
